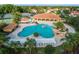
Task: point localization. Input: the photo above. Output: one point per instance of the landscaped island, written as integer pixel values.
(39, 29)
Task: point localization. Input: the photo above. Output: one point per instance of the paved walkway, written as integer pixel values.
(70, 29)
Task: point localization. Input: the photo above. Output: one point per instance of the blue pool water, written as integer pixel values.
(43, 30)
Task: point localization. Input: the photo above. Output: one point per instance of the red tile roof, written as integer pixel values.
(47, 16)
(24, 19)
(10, 27)
(75, 12)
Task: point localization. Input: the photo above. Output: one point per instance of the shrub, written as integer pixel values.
(36, 34)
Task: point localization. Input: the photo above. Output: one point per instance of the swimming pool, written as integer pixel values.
(44, 30)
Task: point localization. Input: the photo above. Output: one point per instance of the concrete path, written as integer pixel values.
(70, 29)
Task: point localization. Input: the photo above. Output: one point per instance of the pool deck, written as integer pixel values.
(41, 42)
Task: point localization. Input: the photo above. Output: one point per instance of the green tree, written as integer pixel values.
(49, 49)
(74, 21)
(66, 12)
(30, 44)
(18, 9)
(58, 12)
(2, 38)
(15, 46)
(71, 42)
(59, 25)
(36, 34)
(6, 8)
(16, 16)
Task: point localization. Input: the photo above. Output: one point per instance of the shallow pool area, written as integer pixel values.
(44, 30)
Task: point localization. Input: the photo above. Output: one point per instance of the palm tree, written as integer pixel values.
(15, 46)
(3, 43)
(16, 16)
(2, 38)
(59, 25)
(72, 40)
(36, 34)
(49, 49)
(30, 44)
